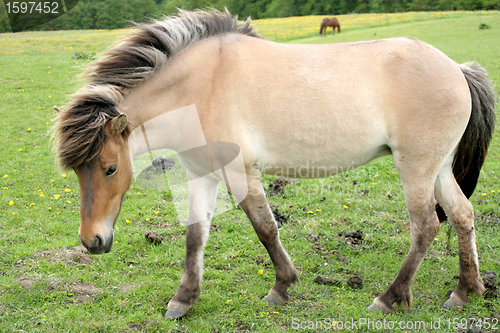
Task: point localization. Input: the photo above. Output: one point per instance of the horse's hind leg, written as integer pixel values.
(461, 217)
(202, 198)
(257, 209)
(424, 224)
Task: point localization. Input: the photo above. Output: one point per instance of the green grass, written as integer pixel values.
(46, 286)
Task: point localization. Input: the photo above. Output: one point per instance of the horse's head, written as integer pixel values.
(103, 183)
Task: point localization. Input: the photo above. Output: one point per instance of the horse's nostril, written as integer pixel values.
(98, 242)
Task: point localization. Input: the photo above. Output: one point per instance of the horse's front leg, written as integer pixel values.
(257, 209)
(202, 198)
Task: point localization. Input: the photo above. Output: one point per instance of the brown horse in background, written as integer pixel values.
(329, 22)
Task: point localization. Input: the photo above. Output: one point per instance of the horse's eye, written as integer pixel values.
(111, 170)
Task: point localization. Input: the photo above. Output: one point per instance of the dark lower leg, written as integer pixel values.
(469, 279)
(190, 286)
(260, 215)
(423, 232)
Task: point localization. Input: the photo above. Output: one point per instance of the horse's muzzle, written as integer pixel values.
(99, 245)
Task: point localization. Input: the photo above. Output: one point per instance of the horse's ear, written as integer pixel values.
(57, 109)
(118, 124)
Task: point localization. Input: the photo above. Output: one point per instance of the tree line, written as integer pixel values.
(112, 14)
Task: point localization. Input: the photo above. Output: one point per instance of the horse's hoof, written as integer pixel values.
(453, 303)
(275, 298)
(176, 311)
(378, 305)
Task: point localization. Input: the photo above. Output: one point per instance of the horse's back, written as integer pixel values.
(294, 103)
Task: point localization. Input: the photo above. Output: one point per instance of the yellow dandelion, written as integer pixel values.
(42, 195)
(64, 175)
(261, 271)
(276, 312)
(157, 212)
(13, 213)
(5, 188)
(128, 221)
(485, 194)
(5, 176)
(11, 203)
(39, 108)
(32, 204)
(29, 129)
(345, 207)
(376, 176)
(67, 190)
(69, 201)
(493, 191)
(374, 183)
(148, 219)
(56, 196)
(319, 210)
(310, 212)
(20, 149)
(229, 301)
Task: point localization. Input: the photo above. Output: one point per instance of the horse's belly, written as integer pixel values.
(319, 163)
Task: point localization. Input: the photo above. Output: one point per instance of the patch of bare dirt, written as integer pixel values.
(355, 282)
(279, 218)
(490, 218)
(142, 326)
(327, 281)
(81, 292)
(153, 237)
(316, 240)
(277, 187)
(490, 283)
(27, 282)
(352, 237)
(125, 288)
(76, 255)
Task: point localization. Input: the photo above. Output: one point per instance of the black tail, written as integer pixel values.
(321, 28)
(471, 151)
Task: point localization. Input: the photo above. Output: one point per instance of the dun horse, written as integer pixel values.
(204, 80)
(329, 22)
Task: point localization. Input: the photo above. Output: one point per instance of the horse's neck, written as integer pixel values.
(178, 130)
(162, 110)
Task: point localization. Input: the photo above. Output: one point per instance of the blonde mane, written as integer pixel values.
(79, 128)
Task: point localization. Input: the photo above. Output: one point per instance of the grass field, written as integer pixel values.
(48, 285)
